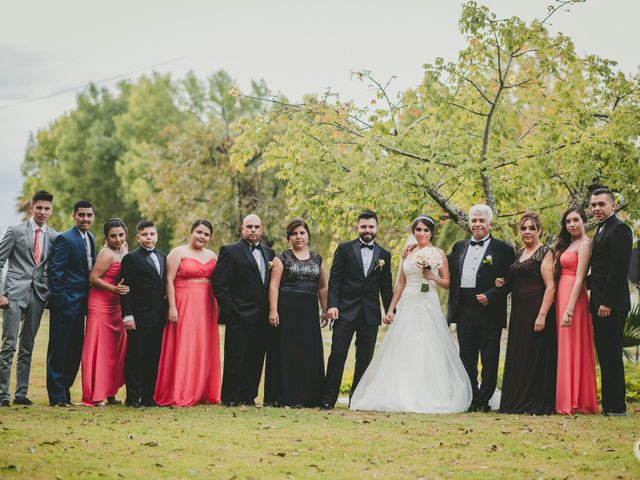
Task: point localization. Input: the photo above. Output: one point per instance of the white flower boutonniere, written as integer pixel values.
(380, 264)
(488, 260)
(269, 265)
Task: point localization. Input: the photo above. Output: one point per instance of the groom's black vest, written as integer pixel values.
(351, 291)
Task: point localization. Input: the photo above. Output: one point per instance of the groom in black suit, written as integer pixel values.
(360, 275)
(240, 284)
(609, 302)
(476, 305)
(144, 314)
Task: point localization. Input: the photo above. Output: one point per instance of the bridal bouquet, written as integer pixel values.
(430, 259)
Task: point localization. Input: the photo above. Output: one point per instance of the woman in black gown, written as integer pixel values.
(295, 360)
(529, 380)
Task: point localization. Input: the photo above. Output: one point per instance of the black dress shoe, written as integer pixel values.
(485, 408)
(326, 406)
(60, 404)
(22, 401)
(5, 403)
(615, 414)
(148, 403)
(472, 408)
(133, 404)
(113, 401)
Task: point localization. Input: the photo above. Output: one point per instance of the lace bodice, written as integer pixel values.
(531, 266)
(296, 270)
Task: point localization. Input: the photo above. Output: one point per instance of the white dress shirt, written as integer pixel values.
(472, 262)
(257, 254)
(367, 256)
(602, 225)
(43, 231)
(156, 262)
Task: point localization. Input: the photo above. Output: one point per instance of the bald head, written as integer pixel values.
(252, 229)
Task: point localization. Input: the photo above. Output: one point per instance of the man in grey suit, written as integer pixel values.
(25, 247)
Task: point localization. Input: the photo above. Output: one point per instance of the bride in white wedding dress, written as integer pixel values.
(417, 367)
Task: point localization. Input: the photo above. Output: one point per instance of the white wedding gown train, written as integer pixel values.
(417, 367)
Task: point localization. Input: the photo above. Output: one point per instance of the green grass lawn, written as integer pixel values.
(219, 442)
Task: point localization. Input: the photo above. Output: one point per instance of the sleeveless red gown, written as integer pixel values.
(189, 369)
(576, 381)
(105, 342)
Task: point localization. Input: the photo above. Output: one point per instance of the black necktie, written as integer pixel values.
(479, 243)
(364, 245)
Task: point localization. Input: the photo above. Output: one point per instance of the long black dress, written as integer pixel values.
(529, 380)
(295, 362)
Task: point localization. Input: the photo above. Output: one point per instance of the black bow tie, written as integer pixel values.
(478, 243)
(149, 252)
(364, 245)
(254, 247)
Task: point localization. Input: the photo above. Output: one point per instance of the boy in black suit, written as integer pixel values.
(143, 311)
(241, 283)
(360, 275)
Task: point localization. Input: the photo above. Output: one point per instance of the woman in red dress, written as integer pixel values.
(576, 380)
(189, 369)
(105, 340)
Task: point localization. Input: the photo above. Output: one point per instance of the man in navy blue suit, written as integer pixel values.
(72, 258)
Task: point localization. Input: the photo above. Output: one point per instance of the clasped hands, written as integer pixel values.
(4, 302)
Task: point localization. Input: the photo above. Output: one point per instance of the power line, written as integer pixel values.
(73, 89)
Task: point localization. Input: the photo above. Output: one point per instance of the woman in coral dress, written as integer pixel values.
(189, 369)
(576, 381)
(105, 340)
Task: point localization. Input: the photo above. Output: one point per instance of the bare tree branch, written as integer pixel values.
(474, 85)
(467, 109)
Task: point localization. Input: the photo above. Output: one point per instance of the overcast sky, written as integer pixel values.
(297, 46)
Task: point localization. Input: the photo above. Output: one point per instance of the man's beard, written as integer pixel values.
(371, 236)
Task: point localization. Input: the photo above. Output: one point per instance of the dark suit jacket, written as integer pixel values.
(351, 292)
(146, 299)
(238, 287)
(494, 314)
(610, 258)
(69, 272)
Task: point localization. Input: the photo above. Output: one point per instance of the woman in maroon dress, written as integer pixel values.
(189, 369)
(529, 380)
(105, 340)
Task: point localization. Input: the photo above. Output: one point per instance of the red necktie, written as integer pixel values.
(36, 247)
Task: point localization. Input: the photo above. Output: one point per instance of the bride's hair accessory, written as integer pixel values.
(427, 220)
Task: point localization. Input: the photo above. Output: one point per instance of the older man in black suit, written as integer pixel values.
(610, 302)
(240, 284)
(476, 305)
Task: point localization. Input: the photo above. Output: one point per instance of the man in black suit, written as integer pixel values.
(476, 305)
(240, 284)
(610, 302)
(72, 257)
(360, 275)
(144, 314)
